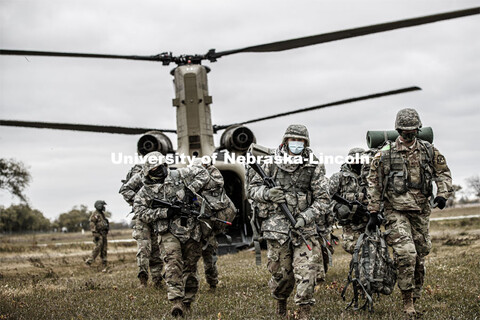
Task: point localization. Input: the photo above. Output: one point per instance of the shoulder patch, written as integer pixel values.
(441, 159)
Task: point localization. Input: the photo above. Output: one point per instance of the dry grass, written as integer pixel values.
(54, 283)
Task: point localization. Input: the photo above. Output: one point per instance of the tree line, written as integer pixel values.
(22, 218)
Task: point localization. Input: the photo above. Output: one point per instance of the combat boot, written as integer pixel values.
(143, 277)
(304, 312)
(178, 309)
(282, 307)
(408, 307)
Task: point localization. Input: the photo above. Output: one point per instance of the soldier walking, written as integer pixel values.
(99, 226)
(400, 181)
(179, 233)
(349, 185)
(304, 189)
(148, 250)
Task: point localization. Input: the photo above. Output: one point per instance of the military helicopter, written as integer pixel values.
(195, 131)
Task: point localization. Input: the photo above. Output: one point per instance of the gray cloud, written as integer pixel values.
(72, 168)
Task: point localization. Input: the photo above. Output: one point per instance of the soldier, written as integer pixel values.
(400, 180)
(218, 205)
(99, 226)
(210, 193)
(348, 184)
(179, 234)
(304, 189)
(148, 250)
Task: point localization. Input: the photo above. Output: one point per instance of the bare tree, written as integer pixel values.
(474, 184)
(14, 177)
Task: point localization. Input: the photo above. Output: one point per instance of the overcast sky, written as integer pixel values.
(72, 168)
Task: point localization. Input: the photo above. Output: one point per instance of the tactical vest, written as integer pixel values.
(396, 170)
(296, 186)
(350, 186)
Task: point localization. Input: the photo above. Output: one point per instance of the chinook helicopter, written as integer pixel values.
(194, 128)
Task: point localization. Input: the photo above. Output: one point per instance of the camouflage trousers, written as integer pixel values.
(180, 267)
(293, 265)
(148, 250)
(100, 241)
(209, 255)
(323, 258)
(350, 238)
(408, 235)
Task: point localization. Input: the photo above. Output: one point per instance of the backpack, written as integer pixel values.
(372, 271)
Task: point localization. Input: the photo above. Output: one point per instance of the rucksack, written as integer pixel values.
(372, 271)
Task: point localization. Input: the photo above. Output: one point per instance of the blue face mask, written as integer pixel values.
(296, 147)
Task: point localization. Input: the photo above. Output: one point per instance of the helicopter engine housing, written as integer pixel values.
(154, 141)
(237, 139)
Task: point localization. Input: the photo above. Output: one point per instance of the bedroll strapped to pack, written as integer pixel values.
(372, 271)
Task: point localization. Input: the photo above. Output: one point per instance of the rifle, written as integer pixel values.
(268, 181)
(184, 210)
(361, 209)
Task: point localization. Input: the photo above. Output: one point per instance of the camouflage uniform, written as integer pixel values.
(306, 194)
(179, 237)
(99, 226)
(211, 193)
(349, 185)
(411, 170)
(325, 224)
(209, 255)
(148, 250)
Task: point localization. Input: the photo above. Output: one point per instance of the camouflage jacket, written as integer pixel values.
(261, 209)
(173, 188)
(132, 184)
(213, 192)
(404, 175)
(350, 186)
(98, 222)
(306, 193)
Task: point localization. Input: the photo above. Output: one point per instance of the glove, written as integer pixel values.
(440, 201)
(343, 211)
(300, 223)
(374, 221)
(275, 195)
(189, 196)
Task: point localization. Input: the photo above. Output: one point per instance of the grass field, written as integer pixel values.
(51, 282)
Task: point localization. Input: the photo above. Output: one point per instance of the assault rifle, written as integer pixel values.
(361, 209)
(268, 181)
(184, 210)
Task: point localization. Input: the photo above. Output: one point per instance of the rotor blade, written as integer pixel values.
(77, 55)
(79, 127)
(336, 103)
(350, 33)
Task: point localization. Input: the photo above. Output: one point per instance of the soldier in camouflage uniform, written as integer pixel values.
(148, 250)
(304, 188)
(179, 235)
(400, 180)
(100, 227)
(348, 184)
(210, 193)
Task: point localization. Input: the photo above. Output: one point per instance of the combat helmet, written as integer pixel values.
(407, 119)
(152, 160)
(100, 205)
(352, 152)
(298, 131)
